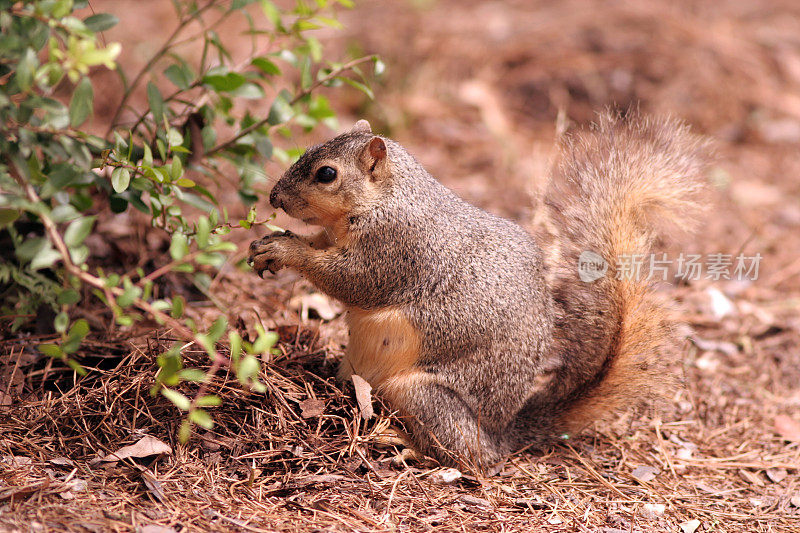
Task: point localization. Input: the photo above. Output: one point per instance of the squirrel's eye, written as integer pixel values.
(326, 174)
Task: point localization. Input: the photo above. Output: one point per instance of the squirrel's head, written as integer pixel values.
(335, 180)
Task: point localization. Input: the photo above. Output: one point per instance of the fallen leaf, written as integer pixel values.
(317, 302)
(653, 510)
(721, 306)
(152, 484)
(776, 475)
(728, 348)
(312, 408)
(155, 528)
(17, 460)
(62, 461)
(751, 478)
(645, 473)
(448, 475)
(684, 453)
(145, 447)
(690, 526)
(363, 396)
(787, 427)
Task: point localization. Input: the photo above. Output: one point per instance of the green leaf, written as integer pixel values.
(156, 101)
(178, 304)
(247, 373)
(179, 400)
(179, 246)
(184, 432)
(185, 182)
(79, 329)
(210, 400)
(358, 85)
(180, 75)
(249, 91)
(26, 68)
(64, 213)
(236, 346)
(100, 22)
(120, 179)
(45, 258)
(7, 216)
(266, 66)
(78, 230)
(176, 169)
(218, 329)
(280, 111)
(51, 350)
(192, 374)
(80, 105)
(201, 418)
(61, 322)
(264, 342)
(203, 228)
(174, 137)
(224, 82)
(68, 297)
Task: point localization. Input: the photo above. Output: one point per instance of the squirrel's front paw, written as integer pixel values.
(273, 252)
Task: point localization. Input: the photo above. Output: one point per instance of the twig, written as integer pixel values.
(158, 55)
(302, 94)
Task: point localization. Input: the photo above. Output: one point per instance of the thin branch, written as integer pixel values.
(302, 94)
(158, 55)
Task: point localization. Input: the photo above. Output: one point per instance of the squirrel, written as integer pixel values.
(485, 340)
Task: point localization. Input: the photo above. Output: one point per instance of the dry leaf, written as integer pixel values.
(62, 461)
(645, 473)
(155, 528)
(690, 526)
(787, 427)
(653, 510)
(721, 306)
(751, 478)
(312, 408)
(321, 304)
(448, 475)
(776, 475)
(152, 484)
(145, 447)
(363, 396)
(728, 348)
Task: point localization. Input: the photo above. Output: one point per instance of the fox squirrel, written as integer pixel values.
(456, 316)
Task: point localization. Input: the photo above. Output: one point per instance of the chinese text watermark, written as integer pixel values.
(690, 267)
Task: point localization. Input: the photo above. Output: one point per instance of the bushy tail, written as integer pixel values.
(617, 190)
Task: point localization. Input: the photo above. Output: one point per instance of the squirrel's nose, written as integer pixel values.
(274, 201)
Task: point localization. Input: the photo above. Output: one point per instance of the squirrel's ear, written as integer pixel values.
(374, 158)
(377, 149)
(362, 126)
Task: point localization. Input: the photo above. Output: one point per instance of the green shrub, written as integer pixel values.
(57, 179)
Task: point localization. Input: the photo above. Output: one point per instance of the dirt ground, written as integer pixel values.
(478, 92)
